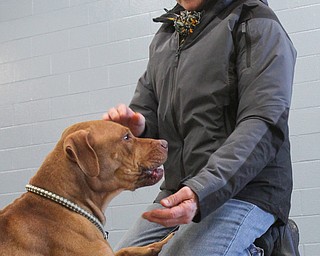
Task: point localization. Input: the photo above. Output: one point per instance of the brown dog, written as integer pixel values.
(92, 163)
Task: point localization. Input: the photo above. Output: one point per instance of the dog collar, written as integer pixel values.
(68, 204)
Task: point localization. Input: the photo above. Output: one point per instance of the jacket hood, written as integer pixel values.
(210, 3)
(210, 10)
(219, 4)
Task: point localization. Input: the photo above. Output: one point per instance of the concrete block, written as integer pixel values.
(279, 5)
(126, 73)
(306, 174)
(7, 115)
(7, 73)
(15, 50)
(41, 88)
(312, 249)
(8, 96)
(42, 6)
(110, 54)
(6, 199)
(305, 47)
(32, 111)
(296, 204)
(139, 48)
(100, 11)
(49, 131)
(80, 2)
(15, 9)
(307, 69)
(89, 80)
(32, 68)
(49, 43)
(130, 27)
(301, 3)
(309, 228)
(15, 136)
(70, 61)
(306, 95)
(305, 148)
(299, 19)
(6, 158)
(15, 181)
(310, 201)
(89, 35)
(145, 6)
(305, 121)
(101, 101)
(66, 18)
(30, 157)
(71, 105)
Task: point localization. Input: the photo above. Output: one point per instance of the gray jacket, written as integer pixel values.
(222, 102)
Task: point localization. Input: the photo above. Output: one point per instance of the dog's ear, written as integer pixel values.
(78, 149)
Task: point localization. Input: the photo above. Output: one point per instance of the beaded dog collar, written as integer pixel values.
(68, 204)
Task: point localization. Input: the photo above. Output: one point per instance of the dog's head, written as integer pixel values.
(111, 157)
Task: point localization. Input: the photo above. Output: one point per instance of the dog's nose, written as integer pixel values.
(164, 144)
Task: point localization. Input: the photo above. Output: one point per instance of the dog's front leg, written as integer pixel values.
(148, 250)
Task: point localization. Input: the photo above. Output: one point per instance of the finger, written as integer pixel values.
(138, 122)
(170, 222)
(113, 115)
(183, 194)
(125, 114)
(137, 119)
(167, 222)
(185, 210)
(134, 120)
(172, 213)
(106, 117)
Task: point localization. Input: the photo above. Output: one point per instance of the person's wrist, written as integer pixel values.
(196, 201)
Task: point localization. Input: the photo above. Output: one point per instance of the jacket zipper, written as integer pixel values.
(173, 112)
(244, 31)
(174, 77)
(173, 89)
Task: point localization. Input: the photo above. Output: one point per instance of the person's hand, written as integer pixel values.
(124, 115)
(180, 208)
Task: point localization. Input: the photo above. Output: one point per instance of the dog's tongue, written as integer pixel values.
(157, 172)
(154, 175)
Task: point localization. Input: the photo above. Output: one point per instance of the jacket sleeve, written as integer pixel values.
(144, 101)
(265, 74)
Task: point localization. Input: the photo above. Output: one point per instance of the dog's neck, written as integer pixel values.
(83, 194)
(56, 181)
(68, 204)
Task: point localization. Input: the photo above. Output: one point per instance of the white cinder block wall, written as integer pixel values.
(65, 61)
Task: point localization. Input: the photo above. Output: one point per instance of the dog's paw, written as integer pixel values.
(156, 247)
(148, 250)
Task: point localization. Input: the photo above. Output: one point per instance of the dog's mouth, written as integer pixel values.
(150, 176)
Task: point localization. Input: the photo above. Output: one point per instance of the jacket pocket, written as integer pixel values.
(244, 31)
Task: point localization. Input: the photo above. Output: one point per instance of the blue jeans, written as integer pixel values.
(230, 230)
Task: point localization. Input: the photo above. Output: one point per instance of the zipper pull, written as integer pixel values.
(243, 28)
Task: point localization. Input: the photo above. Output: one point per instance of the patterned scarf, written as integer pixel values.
(184, 23)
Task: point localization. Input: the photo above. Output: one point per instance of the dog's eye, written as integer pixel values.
(127, 136)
